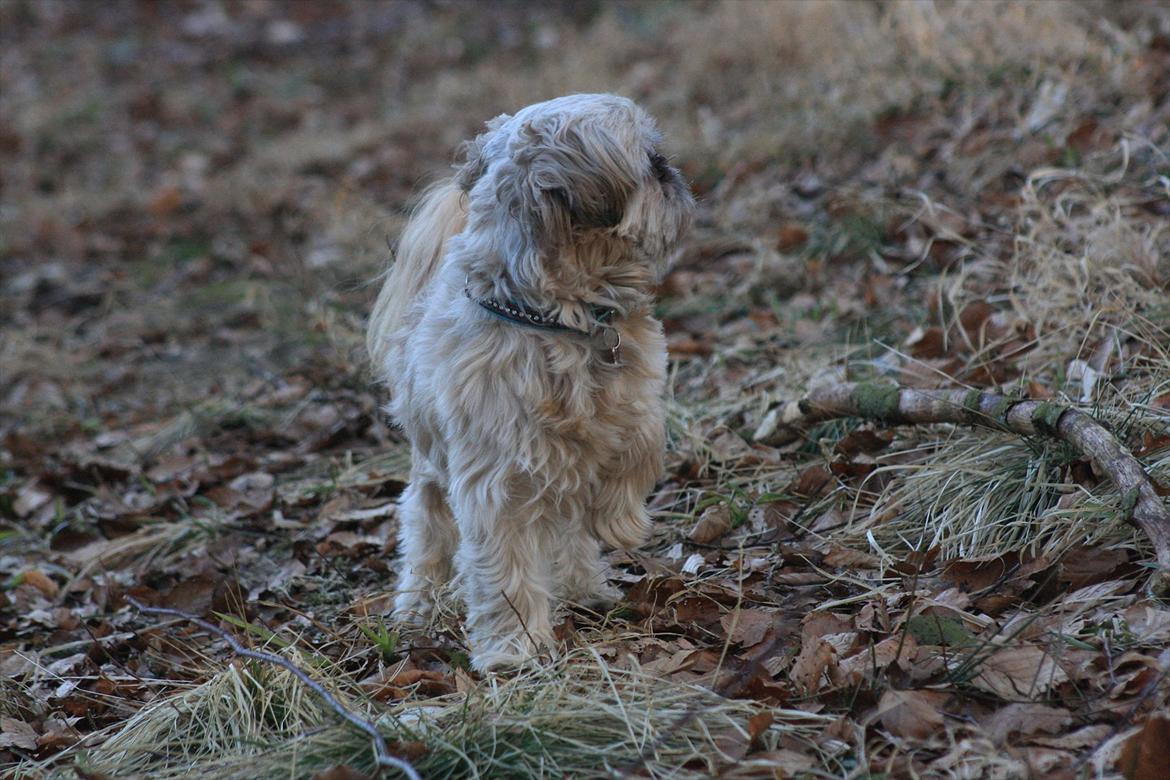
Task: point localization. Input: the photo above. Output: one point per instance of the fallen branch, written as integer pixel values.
(1029, 417)
(381, 750)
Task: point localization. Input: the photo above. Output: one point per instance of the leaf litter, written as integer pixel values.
(970, 195)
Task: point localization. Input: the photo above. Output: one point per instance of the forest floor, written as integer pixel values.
(196, 197)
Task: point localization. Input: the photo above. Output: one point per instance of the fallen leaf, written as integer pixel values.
(873, 659)
(1018, 672)
(17, 733)
(39, 580)
(30, 498)
(1151, 625)
(790, 236)
(58, 734)
(193, 596)
(820, 623)
(911, 714)
(165, 201)
(713, 523)
(863, 441)
(816, 661)
(746, 627)
(758, 724)
(1083, 566)
(727, 446)
(1146, 754)
(1025, 719)
(1081, 738)
(667, 665)
(927, 343)
(812, 482)
(850, 559)
(973, 317)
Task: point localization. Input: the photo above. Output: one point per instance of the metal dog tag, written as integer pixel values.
(611, 342)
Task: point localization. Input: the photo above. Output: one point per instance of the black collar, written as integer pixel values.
(608, 337)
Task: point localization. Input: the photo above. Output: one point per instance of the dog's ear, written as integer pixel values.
(569, 178)
(474, 160)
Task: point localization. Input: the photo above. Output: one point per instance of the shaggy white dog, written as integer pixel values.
(516, 336)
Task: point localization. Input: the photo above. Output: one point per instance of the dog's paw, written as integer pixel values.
(412, 609)
(598, 599)
(624, 532)
(507, 653)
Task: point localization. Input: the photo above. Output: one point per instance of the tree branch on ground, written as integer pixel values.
(887, 403)
(381, 750)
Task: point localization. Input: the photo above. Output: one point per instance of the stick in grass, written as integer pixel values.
(1029, 417)
(381, 750)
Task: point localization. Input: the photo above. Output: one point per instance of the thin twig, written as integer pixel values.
(385, 759)
(540, 652)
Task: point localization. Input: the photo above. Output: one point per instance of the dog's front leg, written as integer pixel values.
(505, 568)
(619, 516)
(581, 572)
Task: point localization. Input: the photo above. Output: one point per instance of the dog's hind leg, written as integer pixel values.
(427, 539)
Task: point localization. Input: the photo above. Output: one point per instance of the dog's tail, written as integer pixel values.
(439, 215)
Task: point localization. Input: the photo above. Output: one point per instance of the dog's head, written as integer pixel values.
(575, 181)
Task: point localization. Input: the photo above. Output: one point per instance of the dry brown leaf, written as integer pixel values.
(851, 559)
(713, 523)
(193, 595)
(727, 446)
(911, 714)
(865, 441)
(58, 734)
(758, 724)
(875, 658)
(829, 520)
(747, 627)
(927, 343)
(811, 482)
(1019, 672)
(17, 733)
(816, 661)
(790, 235)
(973, 317)
(819, 623)
(678, 661)
(1151, 625)
(39, 580)
(683, 345)
(1049, 763)
(1081, 738)
(1025, 719)
(379, 604)
(763, 688)
(1082, 566)
(1146, 754)
(165, 201)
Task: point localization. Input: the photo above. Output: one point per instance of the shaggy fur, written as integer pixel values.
(529, 448)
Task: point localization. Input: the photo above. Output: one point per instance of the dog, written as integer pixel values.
(516, 337)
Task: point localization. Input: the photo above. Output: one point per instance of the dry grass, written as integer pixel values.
(580, 716)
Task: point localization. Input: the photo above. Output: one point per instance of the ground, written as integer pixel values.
(197, 198)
